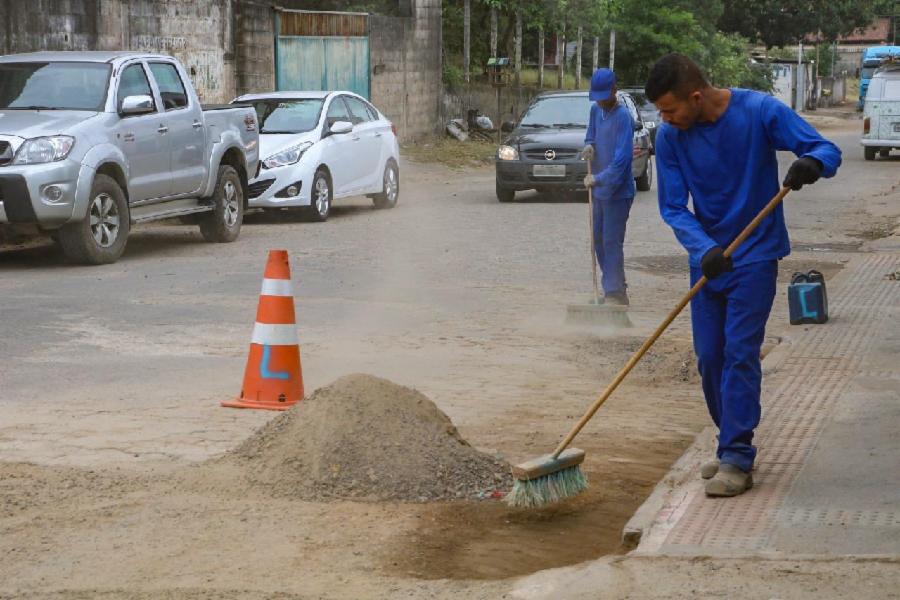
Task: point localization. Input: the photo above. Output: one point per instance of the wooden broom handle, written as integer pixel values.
(773, 203)
(593, 241)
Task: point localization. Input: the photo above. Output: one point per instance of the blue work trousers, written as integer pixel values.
(610, 217)
(729, 317)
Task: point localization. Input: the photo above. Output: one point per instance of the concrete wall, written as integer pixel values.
(406, 68)
(197, 32)
(228, 45)
(483, 96)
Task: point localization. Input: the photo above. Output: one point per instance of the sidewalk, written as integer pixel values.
(823, 519)
(827, 479)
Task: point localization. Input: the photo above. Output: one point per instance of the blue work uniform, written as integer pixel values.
(612, 136)
(730, 171)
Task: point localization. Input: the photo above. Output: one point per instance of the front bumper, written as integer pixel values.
(519, 175)
(22, 193)
(267, 190)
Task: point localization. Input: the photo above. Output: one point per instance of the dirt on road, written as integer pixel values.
(122, 477)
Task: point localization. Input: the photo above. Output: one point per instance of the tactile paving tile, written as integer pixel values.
(811, 379)
(836, 516)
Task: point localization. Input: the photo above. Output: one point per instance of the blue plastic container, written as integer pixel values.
(807, 298)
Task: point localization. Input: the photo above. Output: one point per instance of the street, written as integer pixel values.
(113, 376)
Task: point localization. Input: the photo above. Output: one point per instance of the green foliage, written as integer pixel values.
(727, 64)
(716, 33)
(647, 29)
(784, 22)
(453, 75)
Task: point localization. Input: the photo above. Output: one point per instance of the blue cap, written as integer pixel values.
(602, 84)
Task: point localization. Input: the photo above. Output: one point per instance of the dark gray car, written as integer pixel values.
(648, 111)
(542, 150)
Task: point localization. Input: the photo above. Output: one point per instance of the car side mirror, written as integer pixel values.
(136, 105)
(638, 125)
(340, 127)
(507, 126)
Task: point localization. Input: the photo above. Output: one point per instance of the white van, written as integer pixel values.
(881, 113)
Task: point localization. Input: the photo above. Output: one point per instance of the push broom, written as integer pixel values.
(557, 476)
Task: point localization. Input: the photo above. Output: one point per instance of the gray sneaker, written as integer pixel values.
(616, 299)
(729, 481)
(709, 469)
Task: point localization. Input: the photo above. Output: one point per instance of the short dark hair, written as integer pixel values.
(674, 73)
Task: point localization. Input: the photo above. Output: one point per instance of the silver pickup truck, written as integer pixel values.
(93, 142)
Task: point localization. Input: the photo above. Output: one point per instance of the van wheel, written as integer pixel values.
(870, 152)
(223, 224)
(885, 152)
(390, 190)
(100, 238)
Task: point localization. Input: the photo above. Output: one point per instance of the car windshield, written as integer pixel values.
(867, 72)
(288, 116)
(560, 111)
(53, 86)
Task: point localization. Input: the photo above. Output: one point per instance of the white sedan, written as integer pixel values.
(317, 147)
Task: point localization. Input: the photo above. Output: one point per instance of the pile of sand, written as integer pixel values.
(366, 438)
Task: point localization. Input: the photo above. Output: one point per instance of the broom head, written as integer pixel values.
(546, 479)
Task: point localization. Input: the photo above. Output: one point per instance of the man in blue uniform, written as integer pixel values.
(608, 146)
(718, 148)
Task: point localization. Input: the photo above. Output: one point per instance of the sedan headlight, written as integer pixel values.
(507, 153)
(44, 150)
(286, 157)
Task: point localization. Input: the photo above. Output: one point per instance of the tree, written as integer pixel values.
(782, 23)
(647, 29)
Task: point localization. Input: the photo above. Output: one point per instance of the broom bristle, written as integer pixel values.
(547, 489)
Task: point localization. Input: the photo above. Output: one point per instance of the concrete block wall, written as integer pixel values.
(229, 49)
(405, 57)
(197, 32)
(254, 48)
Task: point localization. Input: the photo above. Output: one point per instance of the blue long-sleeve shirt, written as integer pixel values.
(729, 169)
(612, 135)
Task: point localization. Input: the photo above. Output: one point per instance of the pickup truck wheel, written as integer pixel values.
(223, 224)
(869, 152)
(644, 181)
(100, 238)
(390, 190)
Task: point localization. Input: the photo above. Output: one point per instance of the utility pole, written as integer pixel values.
(518, 47)
(612, 49)
(541, 57)
(578, 58)
(493, 32)
(467, 32)
(561, 59)
(612, 35)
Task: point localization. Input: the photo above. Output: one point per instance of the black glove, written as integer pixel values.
(804, 171)
(714, 263)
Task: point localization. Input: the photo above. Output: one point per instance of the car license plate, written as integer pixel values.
(549, 170)
(896, 127)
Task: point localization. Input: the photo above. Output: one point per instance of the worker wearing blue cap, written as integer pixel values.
(608, 147)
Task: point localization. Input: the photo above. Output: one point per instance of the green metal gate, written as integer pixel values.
(322, 51)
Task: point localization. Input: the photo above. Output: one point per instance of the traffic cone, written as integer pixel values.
(273, 379)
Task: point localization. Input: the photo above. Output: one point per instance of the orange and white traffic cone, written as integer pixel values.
(273, 379)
